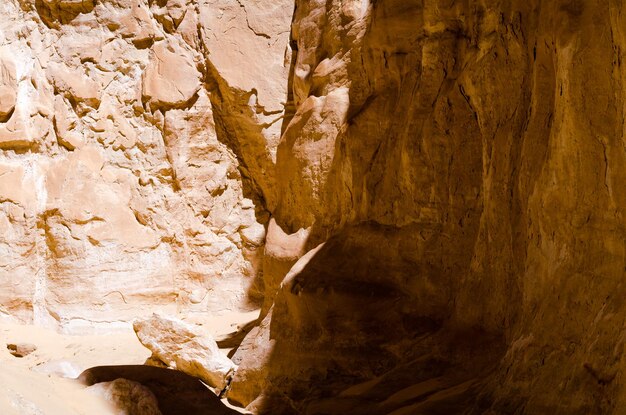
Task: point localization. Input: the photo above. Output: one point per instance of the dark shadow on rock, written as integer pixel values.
(393, 294)
(62, 13)
(176, 392)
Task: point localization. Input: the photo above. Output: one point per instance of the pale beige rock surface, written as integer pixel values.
(170, 79)
(8, 85)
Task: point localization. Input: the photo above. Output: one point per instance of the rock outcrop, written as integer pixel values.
(21, 349)
(176, 392)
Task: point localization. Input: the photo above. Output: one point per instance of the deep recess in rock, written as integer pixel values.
(424, 198)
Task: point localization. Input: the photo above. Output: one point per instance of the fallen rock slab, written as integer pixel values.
(186, 348)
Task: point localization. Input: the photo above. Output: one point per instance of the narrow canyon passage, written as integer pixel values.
(312, 207)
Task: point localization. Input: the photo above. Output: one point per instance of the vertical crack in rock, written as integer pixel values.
(265, 35)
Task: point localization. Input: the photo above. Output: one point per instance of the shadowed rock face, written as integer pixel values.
(176, 392)
(137, 145)
(425, 197)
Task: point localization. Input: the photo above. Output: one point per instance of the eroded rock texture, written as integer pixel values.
(461, 164)
(135, 147)
(424, 197)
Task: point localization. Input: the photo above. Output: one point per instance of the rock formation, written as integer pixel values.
(423, 197)
(458, 166)
(133, 151)
(176, 393)
(185, 348)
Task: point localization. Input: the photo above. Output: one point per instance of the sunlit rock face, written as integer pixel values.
(424, 197)
(128, 182)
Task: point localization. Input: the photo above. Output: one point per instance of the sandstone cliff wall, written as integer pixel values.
(423, 193)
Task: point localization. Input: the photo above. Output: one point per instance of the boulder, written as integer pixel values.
(253, 357)
(185, 348)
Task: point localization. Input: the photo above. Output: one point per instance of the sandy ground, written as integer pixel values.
(34, 384)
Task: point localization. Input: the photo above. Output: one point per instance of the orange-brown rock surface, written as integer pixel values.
(423, 197)
(458, 166)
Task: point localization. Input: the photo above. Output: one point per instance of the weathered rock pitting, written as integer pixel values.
(120, 191)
